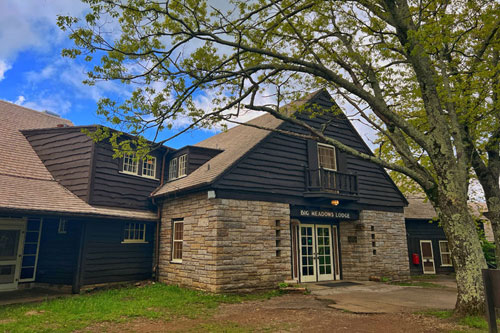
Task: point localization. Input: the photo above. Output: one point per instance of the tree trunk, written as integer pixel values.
(468, 258)
(493, 214)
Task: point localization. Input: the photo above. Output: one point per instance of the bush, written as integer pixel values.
(488, 247)
(489, 253)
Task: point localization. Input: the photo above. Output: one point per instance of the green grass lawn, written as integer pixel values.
(477, 323)
(118, 305)
(423, 284)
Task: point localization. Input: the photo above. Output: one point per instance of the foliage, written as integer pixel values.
(156, 301)
(422, 73)
(476, 322)
(487, 246)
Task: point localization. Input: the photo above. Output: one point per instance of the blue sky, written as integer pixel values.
(33, 73)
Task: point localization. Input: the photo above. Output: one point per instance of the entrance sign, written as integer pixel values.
(341, 214)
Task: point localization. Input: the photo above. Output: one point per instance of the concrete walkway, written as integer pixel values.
(376, 297)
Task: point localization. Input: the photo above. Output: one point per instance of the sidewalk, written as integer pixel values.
(376, 297)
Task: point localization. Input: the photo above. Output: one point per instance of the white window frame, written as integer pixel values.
(127, 164)
(182, 166)
(448, 253)
(334, 156)
(173, 169)
(174, 240)
(128, 239)
(61, 229)
(144, 163)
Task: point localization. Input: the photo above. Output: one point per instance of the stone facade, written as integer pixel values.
(375, 245)
(228, 245)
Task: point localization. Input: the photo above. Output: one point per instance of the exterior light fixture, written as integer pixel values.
(334, 202)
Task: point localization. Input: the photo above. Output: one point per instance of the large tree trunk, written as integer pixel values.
(493, 214)
(468, 258)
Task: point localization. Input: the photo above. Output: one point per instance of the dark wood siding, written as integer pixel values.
(277, 165)
(67, 155)
(107, 259)
(197, 156)
(417, 230)
(112, 188)
(58, 253)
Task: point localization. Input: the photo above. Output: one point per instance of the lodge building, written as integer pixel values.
(266, 207)
(243, 210)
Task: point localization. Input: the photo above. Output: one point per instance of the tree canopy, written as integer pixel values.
(423, 73)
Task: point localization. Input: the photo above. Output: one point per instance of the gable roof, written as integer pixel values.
(234, 143)
(26, 183)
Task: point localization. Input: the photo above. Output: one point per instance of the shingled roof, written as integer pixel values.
(26, 184)
(234, 143)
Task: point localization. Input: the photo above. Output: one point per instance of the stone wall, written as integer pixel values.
(229, 245)
(375, 245)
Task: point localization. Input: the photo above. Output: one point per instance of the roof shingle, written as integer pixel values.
(25, 182)
(235, 143)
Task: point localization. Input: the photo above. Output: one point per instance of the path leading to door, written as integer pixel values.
(375, 297)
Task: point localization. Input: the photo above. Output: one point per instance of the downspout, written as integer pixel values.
(158, 223)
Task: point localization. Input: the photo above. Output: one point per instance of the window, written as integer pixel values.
(134, 233)
(445, 253)
(172, 169)
(177, 240)
(326, 157)
(149, 167)
(62, 226)
(182, 165)
(130, 165)
(177, 167)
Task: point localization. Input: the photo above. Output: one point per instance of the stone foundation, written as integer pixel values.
(380, 248)
(228, 245)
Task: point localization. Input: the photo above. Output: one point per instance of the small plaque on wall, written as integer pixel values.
(352, 239)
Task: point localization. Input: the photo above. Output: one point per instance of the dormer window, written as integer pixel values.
(326, 157)
(149, 167)
(177, 167)
(172, 169)
(130, 164)
(182, 165)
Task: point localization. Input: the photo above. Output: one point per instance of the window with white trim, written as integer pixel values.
(177, 167)
(172, 169)
(445, 252)
(326, 157)
(130, 164)
(149, 167)
(134, 233)
(177, 240)
(62, 226)
(182, 165)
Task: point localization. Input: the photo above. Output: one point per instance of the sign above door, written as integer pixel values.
(340, 214)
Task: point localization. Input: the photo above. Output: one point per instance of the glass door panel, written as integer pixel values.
(316, 253)
(307, 254)
(10, 252)
(324, 254)
(9, 240)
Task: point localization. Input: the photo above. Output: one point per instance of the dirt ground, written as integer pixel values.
(288, 313)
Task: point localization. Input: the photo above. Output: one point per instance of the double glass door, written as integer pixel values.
(317, 253)
(11, 244)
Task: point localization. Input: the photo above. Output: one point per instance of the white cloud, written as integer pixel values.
(32, 24)
(4, 67)
(45, 102)
(20, 100)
